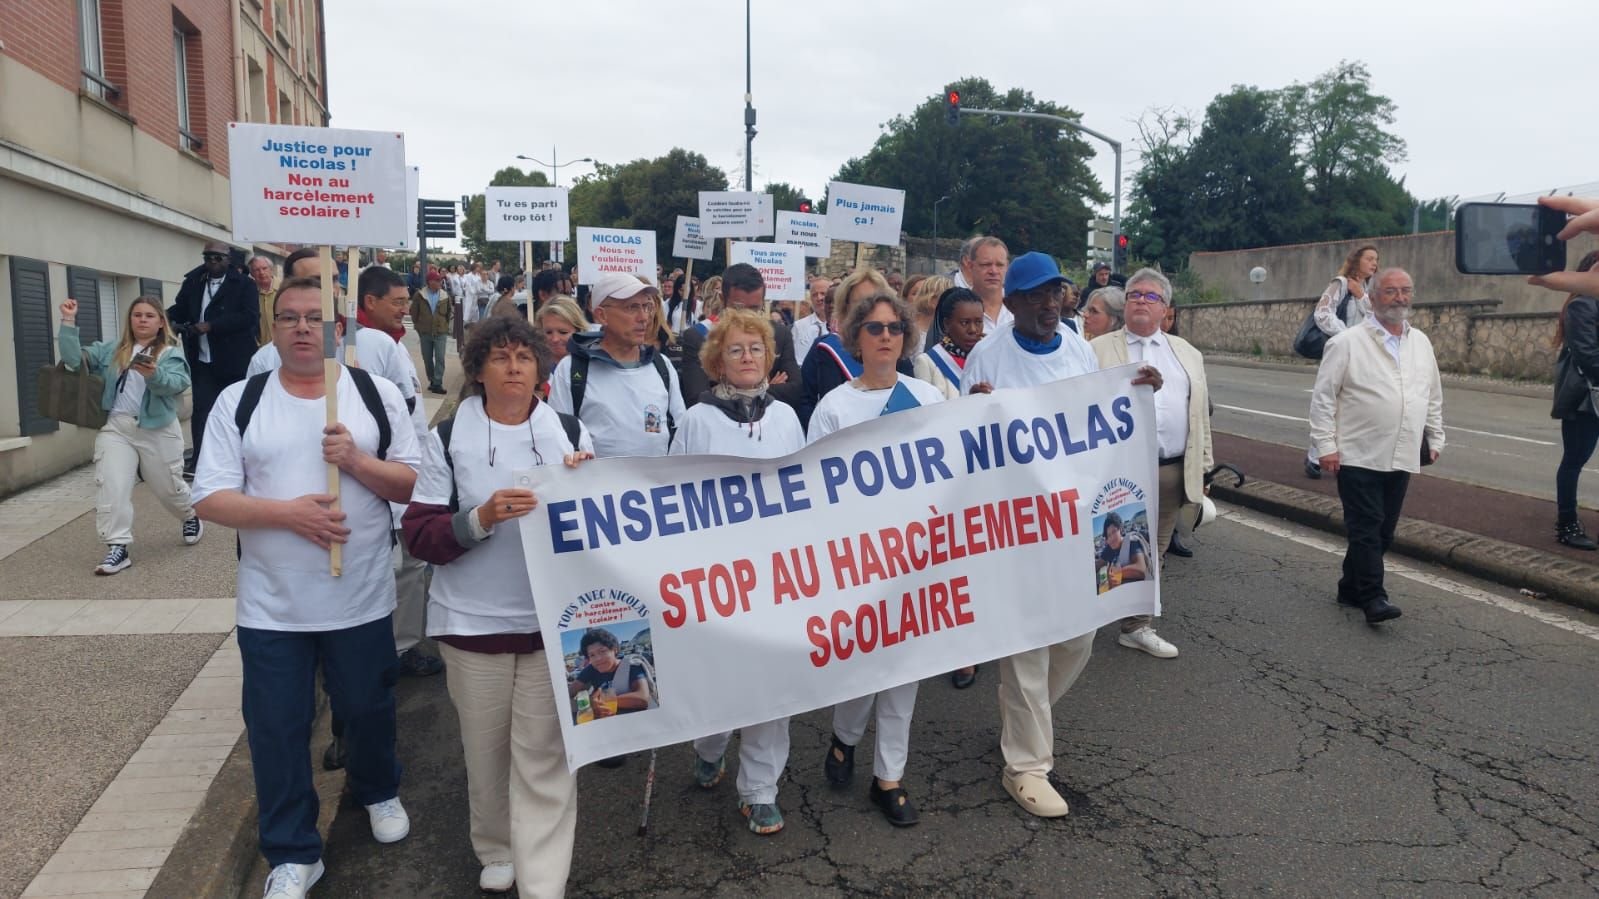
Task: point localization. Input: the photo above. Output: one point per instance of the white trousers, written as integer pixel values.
(894, 709)
(1029, 685)
(410, 597)
(122, 450)
(522, 800)
(762, 755)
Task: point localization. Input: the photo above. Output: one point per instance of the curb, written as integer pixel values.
(1450, 379)
(1508, 564)
(214, 853)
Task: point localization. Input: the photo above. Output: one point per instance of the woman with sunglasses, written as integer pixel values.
(879, 332)
(738, 417)
(465, 518)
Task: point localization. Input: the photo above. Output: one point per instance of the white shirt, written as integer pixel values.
(990, 325)
(706, 430)
(1371, 409)
(486, 591)
(1171, 400)
(806, 332)
(131, 395)
(1000, 361)
(207, 294)
(284, 582)
(624, 408)
(847, 405)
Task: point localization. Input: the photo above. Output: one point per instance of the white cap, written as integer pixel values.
(616, 286)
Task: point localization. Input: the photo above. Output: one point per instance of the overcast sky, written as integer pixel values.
(472, 83)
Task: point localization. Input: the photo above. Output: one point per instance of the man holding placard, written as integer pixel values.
(742, 288)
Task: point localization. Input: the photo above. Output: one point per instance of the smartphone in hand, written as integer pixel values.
(1509, 239)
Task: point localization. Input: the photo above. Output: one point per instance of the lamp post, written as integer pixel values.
(935, 230)
(749, 109)
(555, 179)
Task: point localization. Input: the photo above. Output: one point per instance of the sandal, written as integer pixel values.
(895, 805)
(840, 764)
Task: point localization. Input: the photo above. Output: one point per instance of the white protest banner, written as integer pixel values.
(602, 250)
(688, 242)
(295, 184)
(413, 191)
(805, 229)
(782, 267)
(894, 550)
(735, 213)
(525, 213)
(863, 213)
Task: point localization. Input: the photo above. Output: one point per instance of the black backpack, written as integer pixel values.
(569, 424)
(363, 385)
(580, 384)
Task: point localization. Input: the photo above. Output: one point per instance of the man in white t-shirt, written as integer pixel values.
(269, 483)
(983, 261)
(615, 382)
(1033, 348)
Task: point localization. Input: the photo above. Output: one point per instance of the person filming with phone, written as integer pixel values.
(144, 373)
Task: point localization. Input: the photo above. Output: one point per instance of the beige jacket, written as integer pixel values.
(1198, 456)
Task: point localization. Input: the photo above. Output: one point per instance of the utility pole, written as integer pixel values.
(749, 108)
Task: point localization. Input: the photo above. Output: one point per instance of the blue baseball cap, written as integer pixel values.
(1031, 270)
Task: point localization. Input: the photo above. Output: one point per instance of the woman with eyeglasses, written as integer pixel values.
(738, 417)
(879, 332)
(144, 372)
(465, 518)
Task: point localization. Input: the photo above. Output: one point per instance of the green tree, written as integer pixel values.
(786, 197)
(1248, 187)
(1026, 182)
(647, 194)
(1346, 145)
(507, 252)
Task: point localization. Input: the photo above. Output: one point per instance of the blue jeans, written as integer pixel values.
(360, 669)
(433, 357)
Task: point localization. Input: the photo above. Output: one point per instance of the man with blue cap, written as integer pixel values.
(1035, 347)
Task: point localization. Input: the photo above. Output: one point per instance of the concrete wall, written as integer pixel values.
(1469, 337)
(1301, 270)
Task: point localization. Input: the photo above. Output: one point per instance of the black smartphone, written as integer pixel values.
(1509, 239)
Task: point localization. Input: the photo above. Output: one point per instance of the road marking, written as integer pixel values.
(1446, 428)
(1250, 520)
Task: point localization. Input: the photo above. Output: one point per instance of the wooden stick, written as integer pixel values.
(330, 379)
(688, 287)
(860, 254)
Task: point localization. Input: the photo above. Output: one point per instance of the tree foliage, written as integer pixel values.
(1307, 162)
(1024, 181)
(507, 252)
(647, 194)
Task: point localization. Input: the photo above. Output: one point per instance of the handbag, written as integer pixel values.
(1311, 341)
(72, 397)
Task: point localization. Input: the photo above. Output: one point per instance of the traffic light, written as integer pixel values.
(1119, 263)
(805, 206)
(435, 218)
(952, 106)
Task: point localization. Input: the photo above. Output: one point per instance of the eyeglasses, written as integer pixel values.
(1139, 296)
(1398, 291)
(754, 351)
(634, 309)
(289, 319)
(213, 257)
(876, 329)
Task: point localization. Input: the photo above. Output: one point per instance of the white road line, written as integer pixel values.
(1250, 520)
(1446, 427)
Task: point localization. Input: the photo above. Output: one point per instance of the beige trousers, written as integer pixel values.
(122, 450)
(1029, 685)
(523, 801)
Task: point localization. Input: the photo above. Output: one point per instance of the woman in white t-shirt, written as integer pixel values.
(144, 373)
(465, 518)
(879, 332)
(738, 417)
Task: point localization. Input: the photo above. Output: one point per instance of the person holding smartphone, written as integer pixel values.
(144, 372)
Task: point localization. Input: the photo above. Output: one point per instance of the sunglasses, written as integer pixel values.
(213, 257)
(876, 329)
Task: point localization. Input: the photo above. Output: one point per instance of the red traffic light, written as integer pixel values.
(805, 207)
(954, 98)
(1121, 241)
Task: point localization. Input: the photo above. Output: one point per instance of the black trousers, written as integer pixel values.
(206, 385)
(1372, 501)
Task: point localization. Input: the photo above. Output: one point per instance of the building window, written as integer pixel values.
(285, 109)
(258, 91)
(94, 56)
(188, 84)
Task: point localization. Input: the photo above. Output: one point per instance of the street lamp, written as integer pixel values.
(554, 167)
(749, 108)
(935, 228)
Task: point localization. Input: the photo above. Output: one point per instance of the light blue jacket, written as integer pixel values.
(161, 389)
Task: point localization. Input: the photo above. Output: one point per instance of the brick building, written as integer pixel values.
(114, 168)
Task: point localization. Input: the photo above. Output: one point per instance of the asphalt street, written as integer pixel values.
(1290, 750)
(1494, 440)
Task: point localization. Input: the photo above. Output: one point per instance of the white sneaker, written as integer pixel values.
(499, 877)
(1147, 640)
(390, 823)
(291, 881)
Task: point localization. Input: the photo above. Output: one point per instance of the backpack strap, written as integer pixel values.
(666, 381)
(445, 429)
(569, 424)
(374, 406)
(248, 400)
(580, 381)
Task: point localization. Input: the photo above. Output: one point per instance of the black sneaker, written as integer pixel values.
(193, 528)
(1572, 535)
(333, 756)
(416, 663)
(116, 559)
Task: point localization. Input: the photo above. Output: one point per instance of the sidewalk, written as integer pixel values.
(122, 699)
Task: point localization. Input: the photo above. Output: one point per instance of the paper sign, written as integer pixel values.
(805, 229)
(413, 190)
(745, 590)
(525, 213)
(604, 250)
(782, 266)
(864, 214)
(688, 242)
(297, 184)
(735, 214)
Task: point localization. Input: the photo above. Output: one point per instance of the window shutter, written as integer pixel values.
(83, 285)
(151, 287)
(33, 339)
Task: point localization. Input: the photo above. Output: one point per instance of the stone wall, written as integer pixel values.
(843, 258)
(1468, 337)
(1300, 270)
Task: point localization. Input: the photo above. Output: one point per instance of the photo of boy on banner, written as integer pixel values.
(1121, 536)
(610, 670)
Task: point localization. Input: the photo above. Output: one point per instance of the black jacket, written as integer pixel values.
(694, 382)
(234, 315)
(1578, 356)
